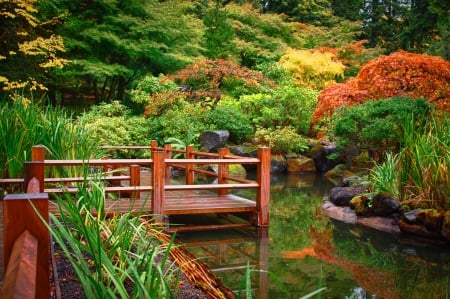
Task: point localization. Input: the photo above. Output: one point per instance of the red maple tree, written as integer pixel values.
(399, 74)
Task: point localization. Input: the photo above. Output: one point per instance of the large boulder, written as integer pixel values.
(320, 152)
(385, 204)
(341, 196)
(300, 164)
(213, 140)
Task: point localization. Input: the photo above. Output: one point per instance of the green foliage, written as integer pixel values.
(185, 123)
(285, 106)
(30, 49)
(258, 38)
(26, 124)
(384, 177)
(113, 124)
(120, 250)
(312, 12)
(281, 139)
(112, 43)
(418, 174)
(232, 119)
(113, 109)
(149, 85)
(377, 125)
(218, 33)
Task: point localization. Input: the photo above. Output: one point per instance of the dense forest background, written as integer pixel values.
(78, 51)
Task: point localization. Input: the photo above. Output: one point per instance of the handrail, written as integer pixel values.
(20, 209)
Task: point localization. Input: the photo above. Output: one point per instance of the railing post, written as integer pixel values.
(38, 153)
(153, 147)
(158, 177)
(190, 176)
(222, 171)
(135, 180)
(168, 155)
(33, 169)
(263, 192)
(18, 216)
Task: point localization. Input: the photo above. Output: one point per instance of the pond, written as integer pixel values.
(303, 251)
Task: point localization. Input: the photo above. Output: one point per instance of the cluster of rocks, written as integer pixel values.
(350, 201)
(382, 211)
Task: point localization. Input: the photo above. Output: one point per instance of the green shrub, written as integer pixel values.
(149, 85)
(281, 139)
(184, 123)
(377, 125)
(285, 106)
(113, 124)
(232, 119)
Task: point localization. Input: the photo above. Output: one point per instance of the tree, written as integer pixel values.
(29, 49)
(316, 12)
(114, 42)
(411, 25)
(218, 34)
(402, 74)
(348, 9)
(205, 82)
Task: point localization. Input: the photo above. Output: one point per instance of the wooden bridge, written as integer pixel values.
(140, 185)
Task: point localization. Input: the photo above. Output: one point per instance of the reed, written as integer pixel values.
(114, 257)
(26, 124)
(419, 172)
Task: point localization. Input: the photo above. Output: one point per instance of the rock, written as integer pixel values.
(418, 230)
(353, 180)
(237, 170)
(213, 140)
(278, 164)
(244, 151)
(360, 204)
(445, 230)
(320, 153)
(338, 173)
(384, 224)
(341, 196)
(300, 164)
(385, 204)
(411, 216)
(431, 219)
(344, 214)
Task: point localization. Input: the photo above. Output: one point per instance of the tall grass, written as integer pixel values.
(25, 124)
(117, 257)
(425, 163)
(419, 173)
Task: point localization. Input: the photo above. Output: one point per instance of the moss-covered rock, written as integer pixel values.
(361, 204)
(445, 230)
(237, 170)
(431, 219)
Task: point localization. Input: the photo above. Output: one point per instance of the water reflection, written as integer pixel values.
(303, 250)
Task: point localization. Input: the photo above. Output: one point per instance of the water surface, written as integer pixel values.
(303, 250)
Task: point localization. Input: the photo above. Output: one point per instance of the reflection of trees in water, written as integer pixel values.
(415, 271)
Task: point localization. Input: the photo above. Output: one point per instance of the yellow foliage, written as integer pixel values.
(43, 49)
(312, 68)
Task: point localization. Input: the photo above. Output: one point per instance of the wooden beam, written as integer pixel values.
(18, 216)
(21, 272)
(263, 192)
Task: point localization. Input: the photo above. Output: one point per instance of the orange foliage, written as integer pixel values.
(209, 76)
(399, 74)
